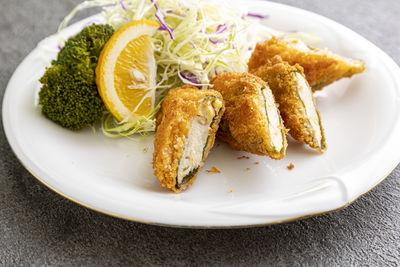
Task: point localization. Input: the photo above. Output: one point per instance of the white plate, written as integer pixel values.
(115, 176)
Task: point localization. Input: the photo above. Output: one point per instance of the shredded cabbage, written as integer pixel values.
(197, 40)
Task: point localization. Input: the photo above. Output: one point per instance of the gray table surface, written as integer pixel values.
(39, 227)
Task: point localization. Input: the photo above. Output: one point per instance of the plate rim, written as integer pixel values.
(197, 226)
(13, 149)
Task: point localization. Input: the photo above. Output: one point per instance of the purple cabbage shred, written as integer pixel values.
(213, 41)
(221, 28)
(191, 77)
(161, 19)
(255, 15)
(123, 5)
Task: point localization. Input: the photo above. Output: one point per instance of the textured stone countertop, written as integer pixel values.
(39, 227)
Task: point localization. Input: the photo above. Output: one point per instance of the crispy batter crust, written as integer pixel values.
(321, 67)
(281, 78)
(243, 125)
(173, 125)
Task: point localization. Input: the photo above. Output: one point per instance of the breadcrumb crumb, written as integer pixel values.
(243, 157)
(290, 166)
(213, 170)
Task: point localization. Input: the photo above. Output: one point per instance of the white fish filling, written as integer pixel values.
(306, 97)
(197, 138)
(273, 122)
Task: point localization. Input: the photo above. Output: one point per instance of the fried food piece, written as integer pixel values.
(251, 121)
(186, 126)
(321, 67)
(295, 101)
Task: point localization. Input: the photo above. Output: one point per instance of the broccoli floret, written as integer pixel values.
(83, 50)
(70, 100)
(69, 95)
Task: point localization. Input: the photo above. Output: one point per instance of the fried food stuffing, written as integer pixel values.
(186, 126)
(295, 100)
(251, 121)
(321, 67)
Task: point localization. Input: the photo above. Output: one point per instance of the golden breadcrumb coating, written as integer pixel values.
(173, 125)
(244, 125)
(285, 85)
(321, 67)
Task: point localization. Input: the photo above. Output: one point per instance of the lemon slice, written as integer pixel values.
(126, 71)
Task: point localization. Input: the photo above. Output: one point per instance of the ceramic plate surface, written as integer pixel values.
(115, 176)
